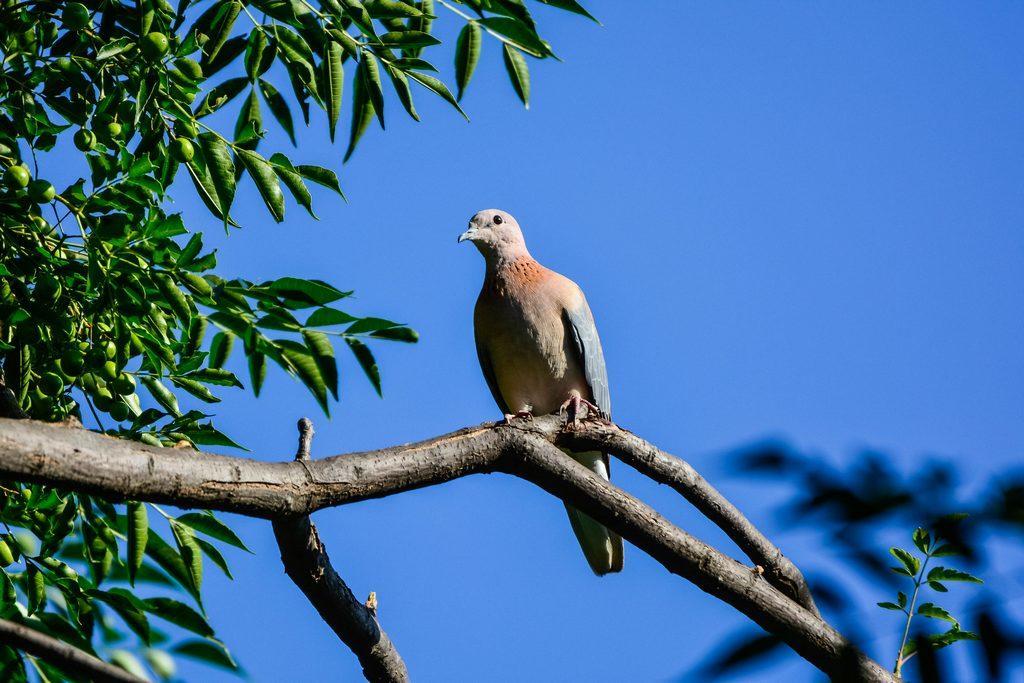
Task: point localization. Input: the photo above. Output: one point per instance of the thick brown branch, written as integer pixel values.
(61, 655)
(118, 469)
(680, 475)
(307, 564)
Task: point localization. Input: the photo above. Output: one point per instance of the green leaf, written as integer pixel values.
(890, 605)
(279, 108)
(257, 370)
(938, 587)
(220, 167)
(162, 394)
(932, 610)
(334, 82)
(319, 346)
(370, 325)
(408, 39)
(138, 535)
(250, 122)
(947, 550)
(191, 554)
(362, 113)
(948, 574)
(259, 54)
(321, 176)
(438, 87)
(518, 73)
(366, 361)
(467, 54)
(114, 47)
(324, 317)
(266, 181)
(912, 564)
(292, 179)
(516, 33)
(922, 539)
(218, 376)
(179, 614)
(168, 559)
(215, 556)
(401, 85)
(569, 5)
(406, 335)
(196, 389)
(369, 73)
(209, 651)
(304, 365)
(305, 292)
(221, 30)
(206, 523)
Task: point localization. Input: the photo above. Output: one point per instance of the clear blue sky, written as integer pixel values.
(792, 219)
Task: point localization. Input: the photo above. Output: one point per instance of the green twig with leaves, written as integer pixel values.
(913, 567)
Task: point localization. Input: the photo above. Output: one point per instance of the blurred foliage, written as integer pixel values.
(103, 293)
(857, 512)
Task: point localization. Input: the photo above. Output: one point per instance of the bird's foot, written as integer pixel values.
(571, 410)
(518, 415)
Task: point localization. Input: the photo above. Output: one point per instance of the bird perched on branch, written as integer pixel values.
(540, 354)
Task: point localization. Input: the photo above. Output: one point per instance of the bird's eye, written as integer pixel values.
(498, 220)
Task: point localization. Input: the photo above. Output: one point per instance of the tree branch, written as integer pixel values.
(680, 475)
(61, 655)
(119, 469)
(306, 562)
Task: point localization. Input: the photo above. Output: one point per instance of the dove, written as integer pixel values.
(540, 354)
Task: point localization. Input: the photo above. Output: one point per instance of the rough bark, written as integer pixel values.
(118, 469)
(61, 655)
(307, 564)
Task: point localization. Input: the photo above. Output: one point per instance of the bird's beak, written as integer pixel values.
(468, 235)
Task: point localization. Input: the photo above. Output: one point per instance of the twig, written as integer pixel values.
(307, 564)
(63, 656)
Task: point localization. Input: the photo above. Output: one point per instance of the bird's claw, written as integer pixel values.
(571, 410)
(521, 415)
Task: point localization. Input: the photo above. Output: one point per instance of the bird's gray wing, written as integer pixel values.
(584, 332)
(488, 370)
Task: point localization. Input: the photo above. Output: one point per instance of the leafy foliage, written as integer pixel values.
(856, 511)
(928, 544)
(110, 306)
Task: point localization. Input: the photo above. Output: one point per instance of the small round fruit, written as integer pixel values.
(113, 130)
(48, 289)
(51, 383)
(75, 16)
(182, 150)
(6, 556)
(124, 384)
(109, 349)
(85, 139)
(185, 129)
(109, 371)
(41, 225)
(154, 45)
(72, 362)
(41, 191)
(103, 399)
(119, 411)
(17, 177)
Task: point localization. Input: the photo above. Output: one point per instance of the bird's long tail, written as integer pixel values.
(601, 546)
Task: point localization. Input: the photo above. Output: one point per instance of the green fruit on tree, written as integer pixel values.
(182, 150)
(17, 177)
(6, 556)
(109, 349)
(41, 225)
(48, 289)
(72, 362)
(51, 384)
(103, 399)
(41, 191)
(119, 411)
(124, 384)
(85, 139)
(109, 371)
(75, 16)
(154, 45)
(113, 130)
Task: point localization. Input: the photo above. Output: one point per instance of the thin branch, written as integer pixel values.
(119, 469)
(61, 655)
(684, 479)
(307, 564)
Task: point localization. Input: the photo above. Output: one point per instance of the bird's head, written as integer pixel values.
(495, 233)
